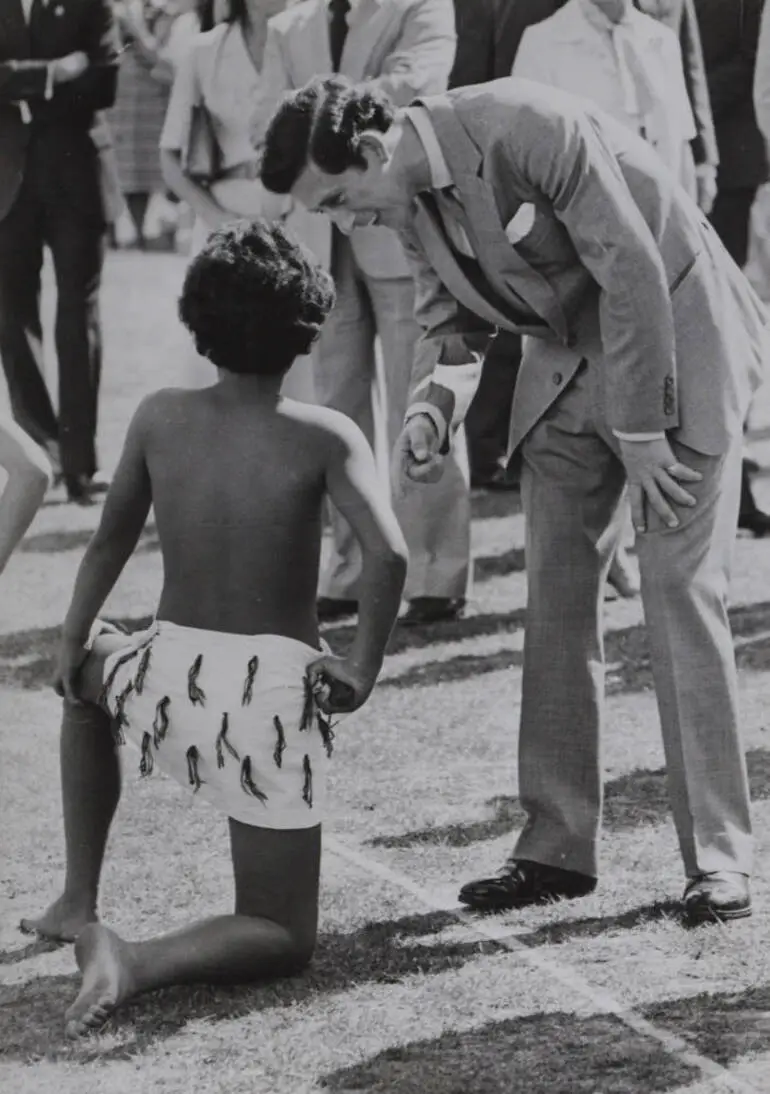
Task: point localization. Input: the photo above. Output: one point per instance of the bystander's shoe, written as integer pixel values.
(756, 522)
(717, 897)
(424, 610)
(99, 483)
(521, 883)
(329, 608)
(84, 489)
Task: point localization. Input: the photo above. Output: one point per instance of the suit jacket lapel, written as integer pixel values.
(457, 281)
(511, 276)
(16, 44)
(310, 45)
(365, 25)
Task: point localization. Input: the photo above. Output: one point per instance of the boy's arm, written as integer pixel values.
(356, 488)
(123, 517)
(29, 474)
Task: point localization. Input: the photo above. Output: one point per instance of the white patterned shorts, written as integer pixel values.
(231, 716)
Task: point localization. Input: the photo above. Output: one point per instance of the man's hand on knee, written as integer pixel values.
(654, 479)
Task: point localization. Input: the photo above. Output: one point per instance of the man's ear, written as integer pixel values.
(371, 144)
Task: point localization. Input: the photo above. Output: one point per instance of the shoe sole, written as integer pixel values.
(710, 915)
(508, 905)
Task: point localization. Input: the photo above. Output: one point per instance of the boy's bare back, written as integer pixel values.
(237, 487)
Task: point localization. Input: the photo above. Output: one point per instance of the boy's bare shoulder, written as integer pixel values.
(162, 405)
(332, 426)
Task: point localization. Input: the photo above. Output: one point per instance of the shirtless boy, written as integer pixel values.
(228, 690)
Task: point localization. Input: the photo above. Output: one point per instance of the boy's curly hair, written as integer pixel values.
(253, 299)
(321, 122)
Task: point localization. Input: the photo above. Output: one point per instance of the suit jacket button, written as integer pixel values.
(557, 378)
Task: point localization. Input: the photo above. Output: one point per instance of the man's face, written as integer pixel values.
(356, 198)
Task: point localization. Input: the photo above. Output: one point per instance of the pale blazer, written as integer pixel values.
(762, 76)
(569, 51)
(619, 267)
(404, 47)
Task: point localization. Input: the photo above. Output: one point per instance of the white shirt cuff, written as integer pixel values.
(658, 435)
(435, 415)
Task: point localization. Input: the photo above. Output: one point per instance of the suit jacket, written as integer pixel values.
(476, 22)
(729, 31)
(762, 76)
(57, 28)
(515, 16)
(618, 267)
(567, 51)
(404, 47)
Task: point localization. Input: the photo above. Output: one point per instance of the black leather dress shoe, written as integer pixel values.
(424, 610)
(717, 897)
(329, 608)
(756, 522)
(521, 883)
(79, 490)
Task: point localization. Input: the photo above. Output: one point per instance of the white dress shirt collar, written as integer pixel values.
(26, 6)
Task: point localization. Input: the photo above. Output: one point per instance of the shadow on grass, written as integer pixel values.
(562, 1053)
(631, 801)
(511, 562)
(24, 953)
(50, 543)
(557, 1053)
(626, 651)
(28, 658)
(385, 953)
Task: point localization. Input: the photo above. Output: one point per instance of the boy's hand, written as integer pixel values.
(416, 455)
(339, 686)
(72, 654)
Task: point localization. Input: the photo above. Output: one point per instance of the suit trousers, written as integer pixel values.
(572, 486)
(488, 421)
(435, 519)
(55, 207)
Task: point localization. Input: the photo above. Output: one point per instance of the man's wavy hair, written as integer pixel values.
(323, 123)
(253, 299)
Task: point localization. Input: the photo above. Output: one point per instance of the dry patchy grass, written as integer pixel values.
(406, 994)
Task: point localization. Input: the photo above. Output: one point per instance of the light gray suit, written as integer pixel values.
(641, 323)
(406, 48)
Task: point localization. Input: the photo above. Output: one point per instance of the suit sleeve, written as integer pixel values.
(731, 80)
(96, 88)
(704, 145)
(475, 56)
(762, 76)
(560, 156)
(422, 58)
(22, 80)
(454, 340)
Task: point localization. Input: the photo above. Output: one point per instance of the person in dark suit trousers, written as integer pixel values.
(489, 417)
(58, 67)
(489, 33)
(729, 31)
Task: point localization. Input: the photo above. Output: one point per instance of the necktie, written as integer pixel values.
(338, 29)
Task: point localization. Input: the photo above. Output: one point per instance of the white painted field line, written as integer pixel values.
(601, 1000)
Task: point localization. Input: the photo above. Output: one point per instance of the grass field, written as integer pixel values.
(407, 994)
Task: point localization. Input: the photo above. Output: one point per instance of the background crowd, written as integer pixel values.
(138, 123)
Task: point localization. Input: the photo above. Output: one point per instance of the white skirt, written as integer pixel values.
(231, 716)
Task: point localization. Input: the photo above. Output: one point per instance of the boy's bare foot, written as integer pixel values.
(62, 922)
(102, 958)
